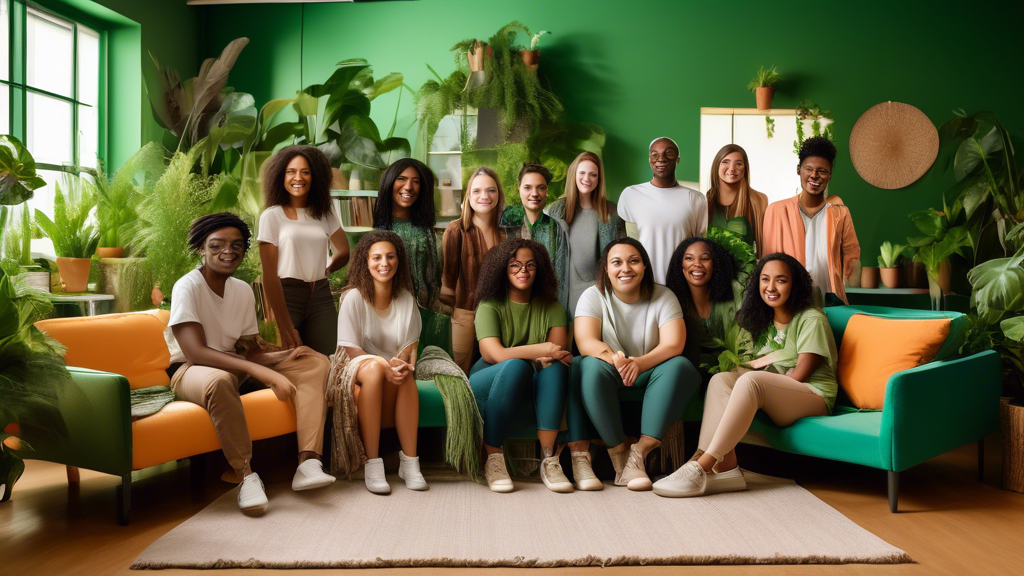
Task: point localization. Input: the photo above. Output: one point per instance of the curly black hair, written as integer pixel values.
(274, 193)
(646, 283)
(818, 147)
(359, 270)
(754, 315)
(422, 208)
(722, 273)
(202, 227)
(493, 280)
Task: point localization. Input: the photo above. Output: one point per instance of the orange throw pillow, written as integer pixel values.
(874, 348)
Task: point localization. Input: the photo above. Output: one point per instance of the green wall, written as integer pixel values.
(645, 69)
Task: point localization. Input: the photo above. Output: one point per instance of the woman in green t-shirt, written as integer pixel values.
(523, 338)
(797, 353)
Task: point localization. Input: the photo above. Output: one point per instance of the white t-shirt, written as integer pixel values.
(816, 249)
(664, 217)
(632, 328)
(302, 245)
(382, 333)
(224, 320)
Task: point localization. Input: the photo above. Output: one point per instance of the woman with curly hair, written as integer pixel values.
(631, 333)
(591, 219)
(701, 274)
(464, 244)
(523, 339)
(297, 229)
(379, 328)
(732, 204)
(794, 376)
(405, 205)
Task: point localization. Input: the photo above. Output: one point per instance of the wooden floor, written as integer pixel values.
(948, 521)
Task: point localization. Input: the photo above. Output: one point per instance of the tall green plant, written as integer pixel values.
(72, 230)
(18, 179)
(16, 228)
(119, 197)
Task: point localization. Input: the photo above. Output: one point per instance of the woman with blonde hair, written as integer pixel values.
(463, 246)
(732, 203)
(591, 219)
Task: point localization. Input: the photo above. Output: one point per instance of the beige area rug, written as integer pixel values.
(459, 523)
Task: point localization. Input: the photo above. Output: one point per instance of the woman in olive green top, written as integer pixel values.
(732, 203)
(523, 337)
(798, 354)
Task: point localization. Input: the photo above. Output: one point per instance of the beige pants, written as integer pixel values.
(463, 337)
(217, 391)
(734, 397)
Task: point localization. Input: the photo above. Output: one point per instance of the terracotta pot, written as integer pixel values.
(109, 252)
(339, 180)
(764, 97)
(74, 273)
(1012, 418)
(156, 296)
(890, 277)
(531, 58)
(869, 277)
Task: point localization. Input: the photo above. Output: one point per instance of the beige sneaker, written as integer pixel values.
(634, 475)
(553, 476)
(497, 476)
(583, 472)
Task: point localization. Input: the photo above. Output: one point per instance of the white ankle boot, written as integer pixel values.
(409, 470)
(373, 475)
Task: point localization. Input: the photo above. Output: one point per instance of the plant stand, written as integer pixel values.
(1012, 418)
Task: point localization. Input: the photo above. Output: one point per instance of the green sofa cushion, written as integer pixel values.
(848, 435)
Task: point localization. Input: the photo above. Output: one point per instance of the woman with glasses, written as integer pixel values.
(661, 213)
(523, 339)
(814, 227)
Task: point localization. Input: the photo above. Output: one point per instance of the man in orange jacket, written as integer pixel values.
(814, 227)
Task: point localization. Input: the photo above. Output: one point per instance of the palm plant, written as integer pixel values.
(119, 197)
(72, 231)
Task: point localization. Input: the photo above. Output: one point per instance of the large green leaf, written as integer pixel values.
(929, 222)
(998, 285)
(977, 149)
(392, 81)
(234, 121)
(18, 179)
(212, 78)
(975, 193)
(1013, 328)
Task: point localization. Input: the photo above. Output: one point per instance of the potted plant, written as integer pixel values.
(763, 86)
(531, 57)
(889, 260)
(869, 277)
(32, 375)
(117, 199)
(73, 235)
(18, 178)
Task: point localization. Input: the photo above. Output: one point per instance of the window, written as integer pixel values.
(52, 88)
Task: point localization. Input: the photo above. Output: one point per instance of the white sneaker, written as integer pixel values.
(409, 470)
(728, 481)
(497, 476)
(310, 474)
(688, 480)
(373, 476)
(583, 472)
(634, 475)
(553, 476)
(251, 495)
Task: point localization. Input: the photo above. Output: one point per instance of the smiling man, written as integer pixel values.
(529, 221)
(661, 213)
(213, 317)
(815, 227)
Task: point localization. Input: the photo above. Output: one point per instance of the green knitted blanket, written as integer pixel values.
(465, 428)
(149, 401)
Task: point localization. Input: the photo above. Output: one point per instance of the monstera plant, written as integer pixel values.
(18, 179)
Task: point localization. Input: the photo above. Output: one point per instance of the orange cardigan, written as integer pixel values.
(784, 232)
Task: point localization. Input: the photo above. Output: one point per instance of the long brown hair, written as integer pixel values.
(467, 210)
(274, 193)
(743, 205)
(572, 192)
(359, 271)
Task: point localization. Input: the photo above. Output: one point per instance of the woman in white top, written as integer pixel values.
(379, 328)
(296, 231)
(631, 333)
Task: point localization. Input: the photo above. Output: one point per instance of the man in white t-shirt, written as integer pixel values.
(661, 213)
(213, 317)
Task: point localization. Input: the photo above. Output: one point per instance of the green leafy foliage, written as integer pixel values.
(765, 78)
(998, 285)
(737, 350)
(72, 230)
(808, 110)
(16, 229)
(18, 179)
(890, 254)
(119, 197)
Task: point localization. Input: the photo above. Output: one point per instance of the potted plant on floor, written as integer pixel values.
(72, 232)
(888, 263)
(32, 374)
(763, 86)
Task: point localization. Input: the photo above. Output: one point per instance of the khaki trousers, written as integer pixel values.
(217, 391)
(463, 337)
(735, 397)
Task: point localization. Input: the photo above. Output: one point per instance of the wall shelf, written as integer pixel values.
(353, 193)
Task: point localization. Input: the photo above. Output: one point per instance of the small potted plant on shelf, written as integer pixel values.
(74, 237)
(889, 259)
(763, 86)
(531, 57)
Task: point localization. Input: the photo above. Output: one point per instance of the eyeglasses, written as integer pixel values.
(216, 247)
(515, 266)
(668, 154)
(821, 172)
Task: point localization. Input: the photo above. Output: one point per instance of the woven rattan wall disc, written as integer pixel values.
(893, 144)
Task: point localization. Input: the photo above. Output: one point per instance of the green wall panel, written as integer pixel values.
(643, 70)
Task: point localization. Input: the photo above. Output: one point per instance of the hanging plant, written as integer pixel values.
(810, 111)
